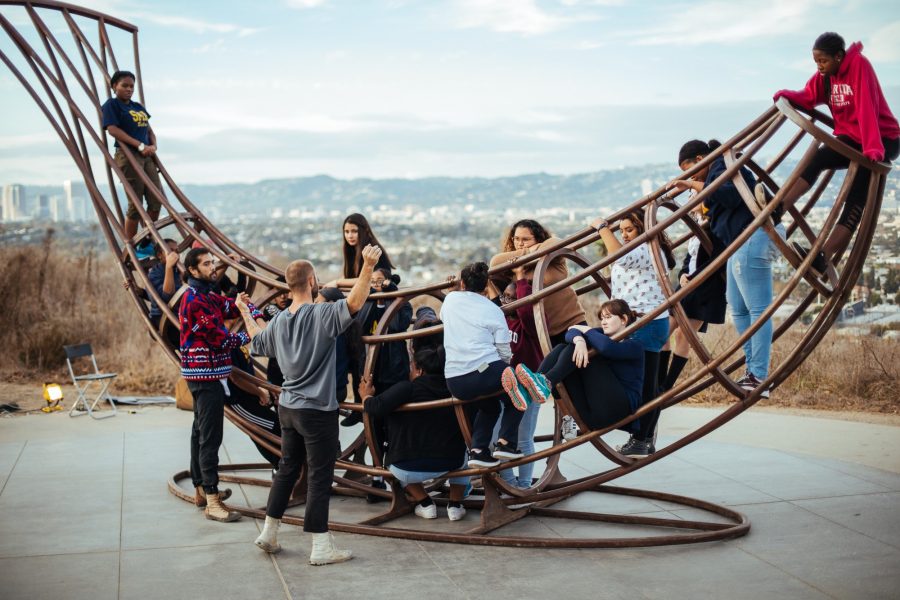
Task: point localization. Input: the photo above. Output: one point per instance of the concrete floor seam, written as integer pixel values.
(812, 512)
(788, 573)
(13, 468)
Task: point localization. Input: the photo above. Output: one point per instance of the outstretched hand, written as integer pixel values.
(370, 255)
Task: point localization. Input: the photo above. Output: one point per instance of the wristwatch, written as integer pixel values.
(141, 147)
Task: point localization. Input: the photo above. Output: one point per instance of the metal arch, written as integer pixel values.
(52, 79)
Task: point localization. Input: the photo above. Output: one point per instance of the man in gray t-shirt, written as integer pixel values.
(302, 339)
(304, 344)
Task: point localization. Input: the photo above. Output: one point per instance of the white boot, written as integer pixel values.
(268, 539)
(324, 552)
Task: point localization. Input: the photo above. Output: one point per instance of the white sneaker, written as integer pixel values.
(426, 512)
(568, 430)
(455, 513)
(324, 552)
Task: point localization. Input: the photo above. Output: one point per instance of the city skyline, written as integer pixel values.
(402, 88)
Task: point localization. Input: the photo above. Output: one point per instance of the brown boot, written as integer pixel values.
(200, 495)
(216, 511)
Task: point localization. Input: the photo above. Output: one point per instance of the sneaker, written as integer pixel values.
(537, 385)
(455, 513)
(352, 419)
(749, 382)
(481, 457)
(426, 512)
(636, 448)
(518, 395)
(819, 264)
(568, 430)
(762, 195)
(506, 451)
(144, 250)
(375, 498)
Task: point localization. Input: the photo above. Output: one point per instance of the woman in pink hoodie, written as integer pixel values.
(846, 82)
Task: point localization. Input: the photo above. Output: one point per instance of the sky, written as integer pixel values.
(244, 91)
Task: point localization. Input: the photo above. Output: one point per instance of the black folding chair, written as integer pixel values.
(84, 381)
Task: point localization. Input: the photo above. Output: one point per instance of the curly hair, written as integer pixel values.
(537, 230)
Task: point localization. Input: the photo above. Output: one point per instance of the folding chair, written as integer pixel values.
(83, 383)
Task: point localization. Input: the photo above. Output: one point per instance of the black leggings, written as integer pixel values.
(826, 159)
(648, 422)
(475, 384)
(247, 406)
(596, 393)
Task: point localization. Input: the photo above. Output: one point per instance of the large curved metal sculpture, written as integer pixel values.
(70, 96)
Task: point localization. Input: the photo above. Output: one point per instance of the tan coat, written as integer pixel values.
(562, 308)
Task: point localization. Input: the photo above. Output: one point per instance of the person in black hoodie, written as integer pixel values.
(749, 269)
(422, 444)
(704, 305)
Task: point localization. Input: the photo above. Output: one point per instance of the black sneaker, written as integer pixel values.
(351, 420)
(481, 457)
(375, 498)
(636, 448)
(507, 451)
(749, 382)
(819, 264)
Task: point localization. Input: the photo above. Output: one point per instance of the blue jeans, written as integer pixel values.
(525, 443)
(749, 293)
(407, 477)
(654, 334)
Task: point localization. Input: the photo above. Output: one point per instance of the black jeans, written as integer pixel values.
(206, 432)
(826, 158)
(311, 436)
(475, 384)
(596, 393)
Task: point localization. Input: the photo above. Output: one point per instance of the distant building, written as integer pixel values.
(15, 203)
(43, 207)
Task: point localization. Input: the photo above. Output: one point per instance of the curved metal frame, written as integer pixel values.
(79, 128)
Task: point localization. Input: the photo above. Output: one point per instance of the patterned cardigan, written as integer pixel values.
(205, 341)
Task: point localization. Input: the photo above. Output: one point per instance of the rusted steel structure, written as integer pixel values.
(63, 57)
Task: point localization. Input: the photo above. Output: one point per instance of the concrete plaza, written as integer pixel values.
(85, 513)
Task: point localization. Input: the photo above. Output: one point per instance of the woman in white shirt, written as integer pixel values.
(635, 281)
(476, 342)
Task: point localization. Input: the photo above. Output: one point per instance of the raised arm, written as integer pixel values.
(360, 291)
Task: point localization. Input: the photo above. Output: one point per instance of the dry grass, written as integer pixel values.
(54, 296)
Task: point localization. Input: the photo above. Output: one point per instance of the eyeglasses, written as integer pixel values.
(506, 298)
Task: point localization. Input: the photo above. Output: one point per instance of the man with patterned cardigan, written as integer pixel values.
(206, 345)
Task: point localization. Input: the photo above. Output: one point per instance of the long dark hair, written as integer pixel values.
(537, 230)
(637, 219)
(353, 255)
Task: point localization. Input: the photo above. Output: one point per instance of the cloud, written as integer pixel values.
(507, 16)
(883, 45)
(305, 4)
(194, 25)
(724, 23)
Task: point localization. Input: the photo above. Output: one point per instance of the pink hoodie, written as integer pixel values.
(857, 103)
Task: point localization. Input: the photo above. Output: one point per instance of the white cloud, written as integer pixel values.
(725, 23)
(194, 25)
(305, 4)
(507, 16)
(884, 45)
